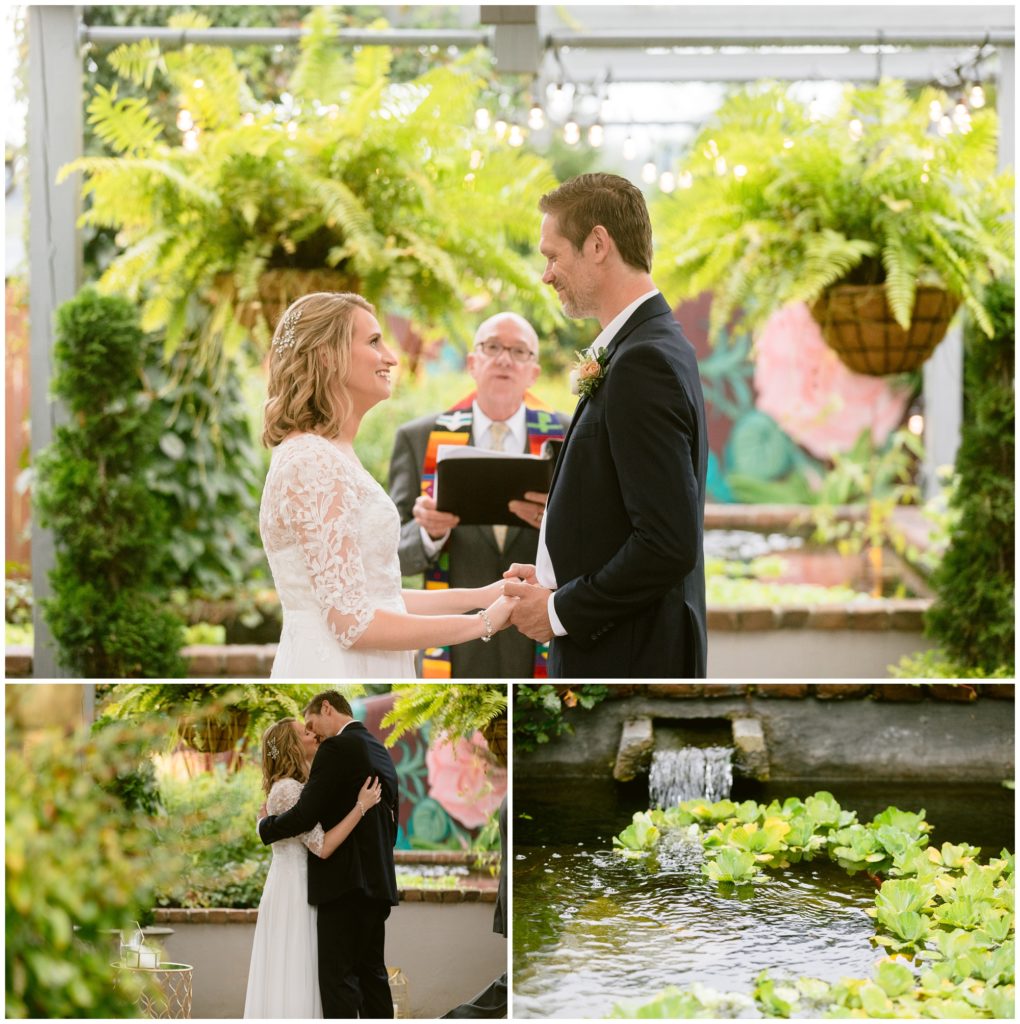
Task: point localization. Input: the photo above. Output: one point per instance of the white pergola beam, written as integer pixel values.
(54, 138)
(926, 65)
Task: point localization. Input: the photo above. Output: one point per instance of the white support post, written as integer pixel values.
(54, 138)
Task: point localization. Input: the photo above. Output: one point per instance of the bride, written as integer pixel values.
(329, 529)
(283, 977)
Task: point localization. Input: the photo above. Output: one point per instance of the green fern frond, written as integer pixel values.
(452, 710)
(322, 72)
(126, 124)
(138, 62)
(901, 270)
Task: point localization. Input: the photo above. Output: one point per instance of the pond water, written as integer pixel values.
(592, 929)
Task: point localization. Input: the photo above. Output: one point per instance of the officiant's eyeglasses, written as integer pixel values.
(494, 350)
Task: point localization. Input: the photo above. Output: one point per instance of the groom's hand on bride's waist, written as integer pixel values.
(531, 613)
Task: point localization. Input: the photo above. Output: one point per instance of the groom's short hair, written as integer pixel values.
(337, 701)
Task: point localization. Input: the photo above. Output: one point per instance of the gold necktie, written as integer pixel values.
(498, 433)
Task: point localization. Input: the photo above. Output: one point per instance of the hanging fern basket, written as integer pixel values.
(214, 734)
(278, 288)
(858, 325)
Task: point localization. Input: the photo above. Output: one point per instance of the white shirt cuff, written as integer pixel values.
(432, 547)
(554, 619)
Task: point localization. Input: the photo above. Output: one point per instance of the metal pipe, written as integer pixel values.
(114, 35)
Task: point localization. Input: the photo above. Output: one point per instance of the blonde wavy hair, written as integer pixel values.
(307, 378)
(289, 762)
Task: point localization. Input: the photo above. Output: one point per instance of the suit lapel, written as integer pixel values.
(654, 306)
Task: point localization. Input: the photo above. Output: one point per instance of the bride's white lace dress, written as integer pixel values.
(331, 535)
(283, 977)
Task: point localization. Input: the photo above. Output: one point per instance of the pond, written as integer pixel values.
(592, 930)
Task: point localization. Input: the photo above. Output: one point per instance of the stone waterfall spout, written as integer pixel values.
(691, 758)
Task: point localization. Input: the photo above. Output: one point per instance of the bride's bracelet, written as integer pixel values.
(488, 626)
(361, 808)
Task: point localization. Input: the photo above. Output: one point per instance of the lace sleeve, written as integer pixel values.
(282, 797)
(317, 500)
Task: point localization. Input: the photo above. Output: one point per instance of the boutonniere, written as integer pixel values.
(588, 373)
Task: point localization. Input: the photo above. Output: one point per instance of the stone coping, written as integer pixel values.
(959, 693)
(231, 915)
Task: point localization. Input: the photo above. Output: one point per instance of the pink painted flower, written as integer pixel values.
(804, 387)
(464, 780)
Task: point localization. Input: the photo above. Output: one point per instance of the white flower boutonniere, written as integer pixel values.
(589, 371)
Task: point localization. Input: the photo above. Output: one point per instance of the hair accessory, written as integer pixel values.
(286, 339)
(274, 750)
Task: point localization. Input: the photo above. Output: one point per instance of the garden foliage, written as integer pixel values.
(973, 618)
(111, 566)
(80, 860)
(451, 710)
(867, 195)
(539, 710)
(945, 919)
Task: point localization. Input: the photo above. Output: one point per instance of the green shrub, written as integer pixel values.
(79, 862)
(211, 818)
(109, 529)
(973, 618)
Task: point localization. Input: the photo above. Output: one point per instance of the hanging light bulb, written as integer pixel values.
(934, 110)
(856, 129)
(685, 179)
(916, 424)
(500, 128)
(649, 172)
(629, 148)
(482, 119)
(961, 116)
(536, 117)
(190, 141)
(476, 159)
(739, 171)
(248, 119)
(667, 182)
(596, 135)
(516, 136)
(787, 143)
(945, 125)
(571, 133)
(185, 122)
(720, 165)
(977, 97)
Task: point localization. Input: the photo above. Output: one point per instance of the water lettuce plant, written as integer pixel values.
(945, 919)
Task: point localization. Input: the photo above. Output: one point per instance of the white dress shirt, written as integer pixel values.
(480, 430)
(544, 572)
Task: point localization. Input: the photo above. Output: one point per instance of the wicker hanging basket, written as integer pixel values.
(278, 288)
(858, 325)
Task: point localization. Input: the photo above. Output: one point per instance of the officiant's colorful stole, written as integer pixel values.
(454, 427)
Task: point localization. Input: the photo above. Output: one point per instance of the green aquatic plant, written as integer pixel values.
(946, 920)
(638, 838)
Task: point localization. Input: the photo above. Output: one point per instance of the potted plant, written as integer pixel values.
(348, 180)
(872, 216)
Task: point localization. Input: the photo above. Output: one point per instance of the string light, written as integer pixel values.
(596, 135)
(977, 97)
(740, 171)
(482, 119)
(649, 172)
(571, 133)
(248, 119)
(685, 179)
(667, 182)
(185, 122)
(516, 136)
(787, 143)
(961, 117)
(720, 165)
(945, 126)
(476, 159)
(629, 148)
(915, 424)
(536, 117)
(856, 129)
(500, 128)
(190, 141)
(935, 110)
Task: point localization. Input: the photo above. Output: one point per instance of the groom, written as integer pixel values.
(355, 887)
(619, 578)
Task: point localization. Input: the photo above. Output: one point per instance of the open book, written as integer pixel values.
(477, 484)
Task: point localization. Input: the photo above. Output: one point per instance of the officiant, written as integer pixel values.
(501, 414)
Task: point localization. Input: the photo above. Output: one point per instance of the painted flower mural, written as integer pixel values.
(464, 781)
(801, 383)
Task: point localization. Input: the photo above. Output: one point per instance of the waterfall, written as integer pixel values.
(690, 773)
